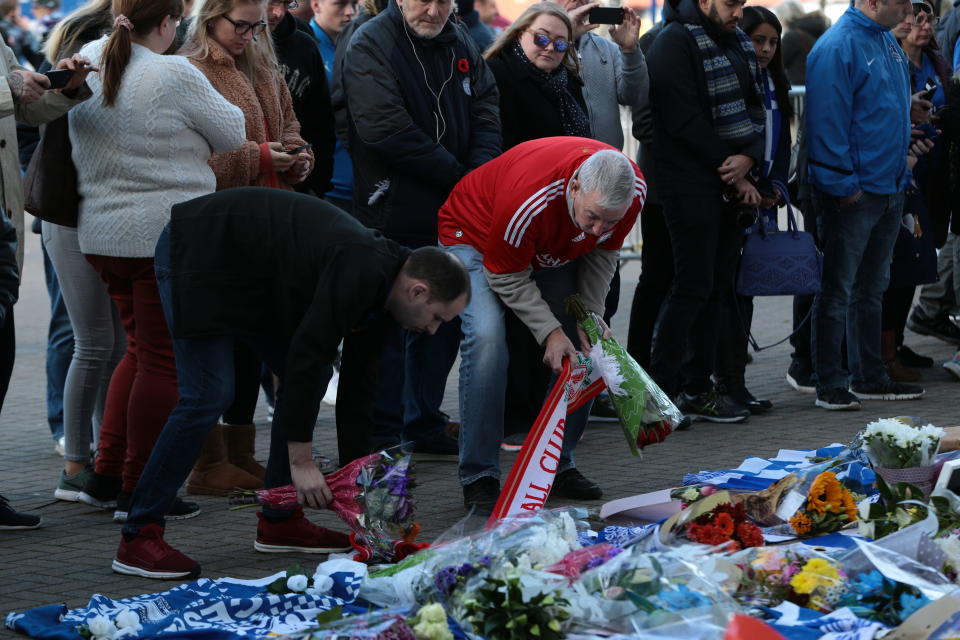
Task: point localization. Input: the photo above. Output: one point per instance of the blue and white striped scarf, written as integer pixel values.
(732, 118)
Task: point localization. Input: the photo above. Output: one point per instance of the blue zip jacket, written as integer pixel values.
(857, 109)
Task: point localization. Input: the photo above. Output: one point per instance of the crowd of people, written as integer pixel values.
(273, 193)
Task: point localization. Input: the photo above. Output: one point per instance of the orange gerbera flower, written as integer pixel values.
(725, 523)
(850, 506)
(800, 523)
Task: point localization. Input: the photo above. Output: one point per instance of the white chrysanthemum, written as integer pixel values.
(297, 583)
(101, 628)
(128, 619)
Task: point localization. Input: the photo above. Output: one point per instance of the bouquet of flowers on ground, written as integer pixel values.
(797, 574)
(646, 414)
(901, 452)
(829, 507)
(690, 494)
(716, 520)
(950, 545)
(381, 624)
(873, 596)
(372, 496)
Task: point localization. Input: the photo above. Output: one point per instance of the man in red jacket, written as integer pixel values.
(541, 205)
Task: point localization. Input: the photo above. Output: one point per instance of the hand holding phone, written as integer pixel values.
(59, 77)
(303, 147)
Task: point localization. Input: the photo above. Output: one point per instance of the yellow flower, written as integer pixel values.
(821, 567)
(804, 582)
(800, 523)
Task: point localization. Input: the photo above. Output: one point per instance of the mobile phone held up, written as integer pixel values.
(59, 78)
(929, 89)
(606, 15)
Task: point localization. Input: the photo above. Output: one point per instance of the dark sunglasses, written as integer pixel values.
(543, 41)
(242, 28)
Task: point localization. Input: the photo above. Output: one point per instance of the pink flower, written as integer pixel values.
(708, 490)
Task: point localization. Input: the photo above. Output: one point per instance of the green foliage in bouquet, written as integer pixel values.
(498, 610)
(898, 508)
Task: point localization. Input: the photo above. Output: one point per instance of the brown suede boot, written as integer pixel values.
(888, 353)
(240, 439)
(212, 475)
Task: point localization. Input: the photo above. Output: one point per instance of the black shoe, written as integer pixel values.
(685, 423)
(11, 519)
(742, 396)
(910, 358)
(838, 399)
(602, 410)
(179, 510)
(481, 495)
(572, 484)
(711, 407)
(941, 328)
(886, 390)
(438, 448)
(801, 379)
(101, 491)
(513, 442)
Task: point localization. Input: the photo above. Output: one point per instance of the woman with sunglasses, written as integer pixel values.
(140, 146)
(228, 42)
(536, 69)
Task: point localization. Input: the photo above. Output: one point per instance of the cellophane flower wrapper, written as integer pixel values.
(637, 592)
(646, 413)
(380, 624)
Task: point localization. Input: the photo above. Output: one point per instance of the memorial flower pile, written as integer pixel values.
(773, 575)
(726, 525)
(829, 507)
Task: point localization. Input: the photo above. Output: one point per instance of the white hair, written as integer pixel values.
(610, 174)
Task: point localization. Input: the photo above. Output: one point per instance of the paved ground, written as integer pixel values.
(69, 558)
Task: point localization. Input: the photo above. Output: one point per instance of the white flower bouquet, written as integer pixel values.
(890, 443)
(900, 452)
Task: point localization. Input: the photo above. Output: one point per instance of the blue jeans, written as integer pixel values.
(205, 381)
(857, 242)
(59, 348)
(483, 370)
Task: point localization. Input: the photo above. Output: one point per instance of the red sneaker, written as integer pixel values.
(298, 534)
(149, 556)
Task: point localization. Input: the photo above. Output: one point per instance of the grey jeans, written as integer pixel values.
(99, 339)
(940, 299)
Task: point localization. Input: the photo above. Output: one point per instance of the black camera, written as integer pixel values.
(745, 216)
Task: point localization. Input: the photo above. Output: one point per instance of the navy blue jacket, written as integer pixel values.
(421, 114)
(857, 109)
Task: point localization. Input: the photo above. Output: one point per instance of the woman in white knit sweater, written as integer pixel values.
(141, 145)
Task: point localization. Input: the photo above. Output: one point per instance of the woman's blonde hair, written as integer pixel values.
(521, 24)
(258, 53)
(88, 22)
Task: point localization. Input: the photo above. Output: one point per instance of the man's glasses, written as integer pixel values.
(290, 4)
(543, 41)
(242, 28)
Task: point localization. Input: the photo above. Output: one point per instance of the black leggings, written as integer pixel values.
(896, 307)
(8, 352)
(247, 368)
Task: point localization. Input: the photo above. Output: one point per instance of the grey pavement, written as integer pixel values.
(68, 559)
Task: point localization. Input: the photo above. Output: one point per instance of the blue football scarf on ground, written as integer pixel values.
(223, 609)
(732, 119)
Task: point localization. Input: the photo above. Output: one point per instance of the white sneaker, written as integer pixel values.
(953, 366)
(330, 397)
(60, 446)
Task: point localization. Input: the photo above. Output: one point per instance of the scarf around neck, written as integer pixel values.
(733, 120)
(572, 117)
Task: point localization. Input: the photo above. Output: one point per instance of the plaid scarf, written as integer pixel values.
(732, 118)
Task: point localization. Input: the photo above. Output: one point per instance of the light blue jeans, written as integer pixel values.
(483, 367)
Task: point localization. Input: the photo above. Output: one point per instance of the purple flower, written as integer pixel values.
(446, 580)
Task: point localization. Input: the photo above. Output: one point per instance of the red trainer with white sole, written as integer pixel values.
(149, 556)
(298, 534)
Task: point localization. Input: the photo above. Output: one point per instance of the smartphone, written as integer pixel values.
(303, 147)
(606, 15)
(929, 89)
(59, 78)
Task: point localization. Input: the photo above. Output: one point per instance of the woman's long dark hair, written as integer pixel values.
(752, 18)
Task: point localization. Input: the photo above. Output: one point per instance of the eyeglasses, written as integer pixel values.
(242, 28)
(290, 4)
(924, 18)
(543, 41)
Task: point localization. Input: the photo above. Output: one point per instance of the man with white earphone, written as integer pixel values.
(422, 109)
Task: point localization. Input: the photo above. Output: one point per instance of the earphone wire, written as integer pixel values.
(438, 114)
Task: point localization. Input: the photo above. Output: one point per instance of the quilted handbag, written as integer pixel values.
(780, 263)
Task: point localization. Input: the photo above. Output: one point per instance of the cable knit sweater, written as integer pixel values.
(269, 113)
(148, 152)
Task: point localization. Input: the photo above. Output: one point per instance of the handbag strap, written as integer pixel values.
(753, 341)
(785, 194)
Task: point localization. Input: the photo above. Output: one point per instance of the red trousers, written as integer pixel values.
(143, 389)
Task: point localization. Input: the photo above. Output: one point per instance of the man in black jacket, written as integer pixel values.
(303, 71)
(422, 109)
(708, 134)
(290, 276)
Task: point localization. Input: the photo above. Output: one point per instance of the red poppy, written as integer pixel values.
(463, 65)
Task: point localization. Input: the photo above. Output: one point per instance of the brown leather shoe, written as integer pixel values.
(213, 475)
(240, 439)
